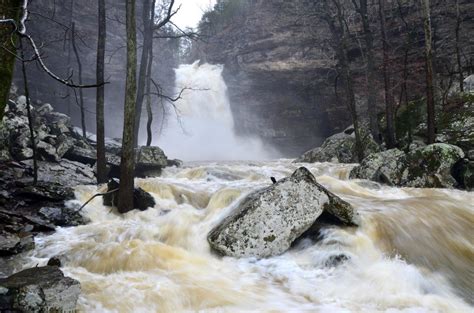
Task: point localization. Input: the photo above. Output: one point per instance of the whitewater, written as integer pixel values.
(413, 252)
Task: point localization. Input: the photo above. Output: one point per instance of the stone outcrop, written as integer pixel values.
(39, 289)
(269, 220)
(64, 156)
(27, 210)
(431, 166)
(54, 137)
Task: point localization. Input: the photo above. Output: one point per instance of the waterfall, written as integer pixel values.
(200, 126)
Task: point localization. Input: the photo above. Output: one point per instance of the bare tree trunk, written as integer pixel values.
(79, 72)
(30, 118)
(430, 103)
(101, 162)
(127, 164)
(346, 71)
(147, 45)
(8, 9)
(458, 49)
(361, 8)
(149, 121)
(389, 101)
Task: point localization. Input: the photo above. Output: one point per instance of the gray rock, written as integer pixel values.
(63, 216)
(46, 191)
(39, 289)
(80, 154)
(337, 148)
(426, 167)
(63, 145)
(45, 108)
(340, 148)
(66, 173)
(13, 243)
(269, 220)
(47, 151)
(59, 123)
(150, 161)
(430, 166)
(382, 167)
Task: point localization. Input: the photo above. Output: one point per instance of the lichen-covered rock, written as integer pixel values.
(426, 167)
(430, 166)
(340, 148)
(383, 167)
(269, 220)
(39, 289)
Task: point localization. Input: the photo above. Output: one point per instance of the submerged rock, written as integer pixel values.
(39, 289)
(425, 167)
(269, 220)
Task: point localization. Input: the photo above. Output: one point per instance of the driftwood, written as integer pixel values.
(97, 195)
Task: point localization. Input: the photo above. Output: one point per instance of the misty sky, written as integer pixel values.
(191, 12)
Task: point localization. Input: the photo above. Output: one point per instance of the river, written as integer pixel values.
(413, 252)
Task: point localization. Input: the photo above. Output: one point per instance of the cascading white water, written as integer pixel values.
(204, 128)
(412, 253)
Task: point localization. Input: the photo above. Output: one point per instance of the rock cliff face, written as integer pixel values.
(280, 69)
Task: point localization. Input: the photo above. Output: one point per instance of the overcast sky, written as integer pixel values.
(191, 11)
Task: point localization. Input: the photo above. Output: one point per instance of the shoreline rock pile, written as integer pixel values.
(64, 156)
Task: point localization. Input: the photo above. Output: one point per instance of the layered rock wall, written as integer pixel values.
(281, 71)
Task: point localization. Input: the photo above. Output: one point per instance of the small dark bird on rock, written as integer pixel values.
(273, 180)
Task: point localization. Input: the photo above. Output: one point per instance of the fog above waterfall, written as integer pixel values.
(200, 126)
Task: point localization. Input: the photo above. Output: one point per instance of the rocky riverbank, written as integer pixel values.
(65, 160)
(439, 165)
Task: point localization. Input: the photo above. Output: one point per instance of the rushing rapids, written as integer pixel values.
(412, 253)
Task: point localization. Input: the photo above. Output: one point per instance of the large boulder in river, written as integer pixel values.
(39, 289)
(425, 167)
(340, 148)
(269, 220)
